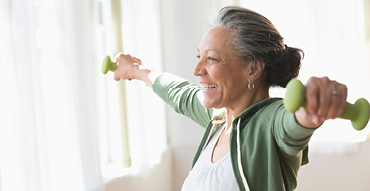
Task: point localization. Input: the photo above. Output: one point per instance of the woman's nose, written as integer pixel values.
(199, 69)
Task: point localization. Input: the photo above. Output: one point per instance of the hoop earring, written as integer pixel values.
(249, 85)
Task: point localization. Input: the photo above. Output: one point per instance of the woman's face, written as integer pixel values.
(222, 74)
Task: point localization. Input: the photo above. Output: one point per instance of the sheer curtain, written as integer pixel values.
(47, 101)
(140, 36)
(146, 111)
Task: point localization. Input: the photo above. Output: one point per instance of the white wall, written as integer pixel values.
(183, 25)
(342, 172)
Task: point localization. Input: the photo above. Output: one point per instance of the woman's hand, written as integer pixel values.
(326, 99)
(127, 67)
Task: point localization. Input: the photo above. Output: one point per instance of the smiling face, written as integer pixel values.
(222, 74)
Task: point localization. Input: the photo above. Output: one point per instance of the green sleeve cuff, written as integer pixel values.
(294, 129)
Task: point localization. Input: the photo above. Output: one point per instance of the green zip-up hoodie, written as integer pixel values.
(267, 144)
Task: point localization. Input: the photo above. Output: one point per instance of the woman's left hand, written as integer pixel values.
(326, 99)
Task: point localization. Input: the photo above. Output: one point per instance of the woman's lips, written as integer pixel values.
(208, 87)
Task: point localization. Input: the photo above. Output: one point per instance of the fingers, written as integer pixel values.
(127, 58)
(318, 96)
(120, 58)
(116, 78)
(137, 60)
(312, 91)
(342, 99)
(326, 99)
(126, 65)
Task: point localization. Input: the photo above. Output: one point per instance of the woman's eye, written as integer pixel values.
(209, 58)
(212, 59)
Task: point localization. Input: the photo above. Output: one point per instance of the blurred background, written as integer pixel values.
(66, 126)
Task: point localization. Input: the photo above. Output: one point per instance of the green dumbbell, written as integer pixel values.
(358, 113)
(108, 65)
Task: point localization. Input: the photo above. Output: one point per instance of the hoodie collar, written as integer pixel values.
(250, 111)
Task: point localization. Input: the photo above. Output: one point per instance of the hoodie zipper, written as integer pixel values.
(240, 166)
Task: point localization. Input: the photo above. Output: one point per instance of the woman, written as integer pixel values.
(255, 144)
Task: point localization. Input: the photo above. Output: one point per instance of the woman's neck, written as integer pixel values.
(254, 97)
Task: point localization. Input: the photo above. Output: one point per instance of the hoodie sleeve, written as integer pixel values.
(291, 137)
(185, 98)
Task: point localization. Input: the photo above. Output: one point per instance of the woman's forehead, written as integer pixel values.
(216, 39)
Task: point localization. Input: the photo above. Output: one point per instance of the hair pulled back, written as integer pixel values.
(257, 39)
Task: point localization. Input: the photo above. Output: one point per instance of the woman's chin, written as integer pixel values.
(208, 105)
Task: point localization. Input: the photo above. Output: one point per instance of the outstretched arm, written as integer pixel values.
(180, 94)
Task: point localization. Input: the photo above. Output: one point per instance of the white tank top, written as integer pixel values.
(206, 175)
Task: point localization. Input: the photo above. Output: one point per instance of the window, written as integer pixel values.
(132, 125)
(113, 137)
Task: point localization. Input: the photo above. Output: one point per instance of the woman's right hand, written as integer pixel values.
(127, 67)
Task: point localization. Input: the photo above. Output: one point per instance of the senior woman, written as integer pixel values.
(255, 144)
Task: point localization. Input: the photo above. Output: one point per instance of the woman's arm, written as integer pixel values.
(184, 97)
(293, 131)
(181, 95)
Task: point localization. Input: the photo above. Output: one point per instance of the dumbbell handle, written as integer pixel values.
(108, 65)
(358, 113)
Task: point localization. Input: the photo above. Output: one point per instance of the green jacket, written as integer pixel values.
(267, 144)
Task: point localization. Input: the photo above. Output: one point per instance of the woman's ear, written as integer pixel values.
(256, 69)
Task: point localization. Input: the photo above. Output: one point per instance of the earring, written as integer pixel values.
(249, 85)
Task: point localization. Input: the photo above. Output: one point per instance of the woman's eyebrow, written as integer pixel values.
(208, 50)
